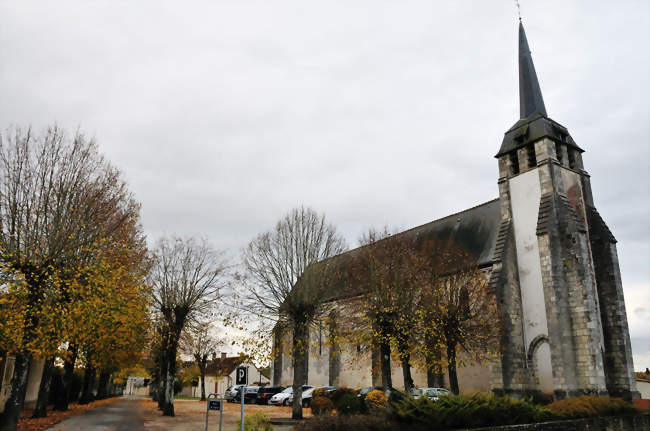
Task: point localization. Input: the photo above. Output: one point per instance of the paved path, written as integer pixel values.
(125, 414)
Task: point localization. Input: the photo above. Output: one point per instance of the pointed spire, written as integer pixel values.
(530, 95)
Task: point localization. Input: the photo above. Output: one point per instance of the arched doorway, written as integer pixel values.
(539, 361)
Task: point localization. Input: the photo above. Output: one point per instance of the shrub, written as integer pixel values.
(477, 410)
(588, 406)
(347, 423)
(348, 404)
(320, 392)
(376, 401)
(337, 394)
(256, 422)
(321, 405)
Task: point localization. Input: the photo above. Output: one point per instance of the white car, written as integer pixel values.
(432, 393)
(282, 397)
(285, 397)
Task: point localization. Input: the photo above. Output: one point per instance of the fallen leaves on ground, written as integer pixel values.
(27, 423)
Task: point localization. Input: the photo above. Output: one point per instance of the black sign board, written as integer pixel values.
(214, 405)
(242, 376)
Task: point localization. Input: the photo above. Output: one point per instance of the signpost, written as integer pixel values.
(242, 379)
(215, 402)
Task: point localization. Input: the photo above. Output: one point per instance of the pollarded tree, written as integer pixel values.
(58, 198)
(186, 278)
(199, 341)
(386, 269)
(283, 284)
(457, 309)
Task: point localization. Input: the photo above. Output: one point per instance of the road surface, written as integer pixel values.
(125, 414)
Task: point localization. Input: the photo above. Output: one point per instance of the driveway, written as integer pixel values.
(125, 414)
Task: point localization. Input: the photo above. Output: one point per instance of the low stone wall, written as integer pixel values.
(609, 423)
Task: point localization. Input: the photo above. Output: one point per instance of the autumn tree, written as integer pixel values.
(457, 309)
(58, 198)
(386, 269)
(186, 278)
(109, 313)
(283, 284)
(199, 341)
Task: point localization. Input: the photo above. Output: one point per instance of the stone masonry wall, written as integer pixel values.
(619, 369)
(569, 285)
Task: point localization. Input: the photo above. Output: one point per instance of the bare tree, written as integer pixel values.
(285, 285)
(200, 342)
(58, 198)
(186, 278)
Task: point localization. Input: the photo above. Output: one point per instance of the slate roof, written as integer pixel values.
(474, 230)
(534, 123)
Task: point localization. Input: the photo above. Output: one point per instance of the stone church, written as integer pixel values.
(552, 261)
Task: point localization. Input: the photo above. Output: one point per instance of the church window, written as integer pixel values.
(532, 160)
(514, 163)
(558, 150)
(358, 348)
(320, 338)
(572, 158)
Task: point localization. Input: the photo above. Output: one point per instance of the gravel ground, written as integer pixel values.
(190, 416)
(142, 414)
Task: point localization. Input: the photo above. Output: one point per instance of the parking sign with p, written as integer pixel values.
(242, 376)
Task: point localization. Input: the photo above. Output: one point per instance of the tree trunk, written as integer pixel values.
(451, 367)
(68, 367)
(89, 382)
(44, 389)
(162, 379)
(375, 363)
(155, 389)
(203, 383)
(102, 389)
(300, 358)
(170, 355)
(384, 353)
(14, 404)
(435, 376)
(406, 372)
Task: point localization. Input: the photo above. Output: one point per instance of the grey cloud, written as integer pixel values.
(224, 115)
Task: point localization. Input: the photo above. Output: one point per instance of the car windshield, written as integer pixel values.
(308, 391)
(253, 389)
(416, 391)
(289, 390)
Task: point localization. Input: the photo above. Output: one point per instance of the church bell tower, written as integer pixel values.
(559, 285)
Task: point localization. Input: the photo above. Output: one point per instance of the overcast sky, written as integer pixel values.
(223, 115)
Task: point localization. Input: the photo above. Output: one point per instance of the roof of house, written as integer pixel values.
(224, 366)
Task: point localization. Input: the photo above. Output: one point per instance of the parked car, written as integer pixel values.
(231, 392)
(432, 393)
(306, 395)
(285, 398)
(250, 395)
(265, 394)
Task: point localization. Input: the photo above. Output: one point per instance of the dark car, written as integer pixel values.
(250, 395)
(265, 394)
